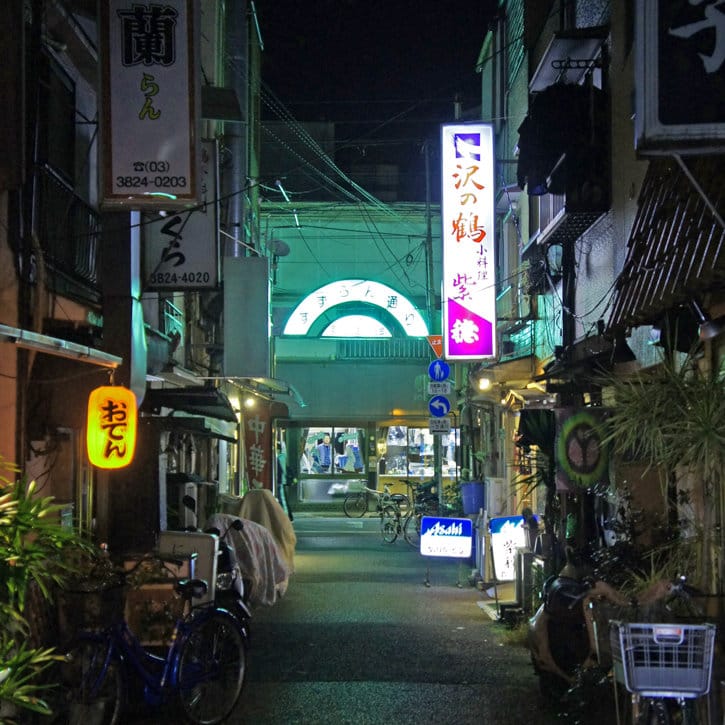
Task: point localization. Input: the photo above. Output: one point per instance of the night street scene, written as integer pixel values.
(362, 362)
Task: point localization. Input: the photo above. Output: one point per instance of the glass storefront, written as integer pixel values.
(329, 461)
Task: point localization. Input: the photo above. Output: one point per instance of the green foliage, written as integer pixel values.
(672, 419)
(20, 667)
(673, 416)
(32, 547)
(31, 541)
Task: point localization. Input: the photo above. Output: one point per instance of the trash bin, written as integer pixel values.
(473, 494)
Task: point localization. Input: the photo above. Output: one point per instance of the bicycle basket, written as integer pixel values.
(663, 660)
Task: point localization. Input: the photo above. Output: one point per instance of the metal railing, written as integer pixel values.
(69, 231)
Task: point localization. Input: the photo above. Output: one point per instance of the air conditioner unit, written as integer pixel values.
(497, 497)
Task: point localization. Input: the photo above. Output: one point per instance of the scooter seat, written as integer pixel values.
(562, 597)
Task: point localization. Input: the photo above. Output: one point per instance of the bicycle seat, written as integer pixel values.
(191, 588)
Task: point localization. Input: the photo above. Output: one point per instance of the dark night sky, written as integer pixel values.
(337, 59)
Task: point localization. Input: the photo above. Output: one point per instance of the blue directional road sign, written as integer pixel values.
(439, 370)
(439, 406)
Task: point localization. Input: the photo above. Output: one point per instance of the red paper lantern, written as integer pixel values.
(111, 426)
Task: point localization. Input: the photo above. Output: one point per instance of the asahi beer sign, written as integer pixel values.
(150, 100)
(680, 78)
(469, 292)
(181, 248)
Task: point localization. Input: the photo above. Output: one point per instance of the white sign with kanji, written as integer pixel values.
(468, 219)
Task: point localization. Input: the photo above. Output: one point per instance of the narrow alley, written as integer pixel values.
(359, 638)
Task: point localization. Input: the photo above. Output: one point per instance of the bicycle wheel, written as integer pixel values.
(654, 712)
(411, 530)
(92, 683)
(355, 505)
(389, 524)
(212, 664)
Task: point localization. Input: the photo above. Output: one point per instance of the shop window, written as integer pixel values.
(332, 450)
(56, 137)
(409, 452)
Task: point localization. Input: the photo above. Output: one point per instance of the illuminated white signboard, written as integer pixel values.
(151, 103)
(507, 536)
(356, 326)
(467, 215)
(355, 290)
(181, 249)
(446, 537)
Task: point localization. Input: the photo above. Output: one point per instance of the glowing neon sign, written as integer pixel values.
(355, 290)
(467, 215)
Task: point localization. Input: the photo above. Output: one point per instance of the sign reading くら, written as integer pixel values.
(150, 103)
(467, 215)
(181, 249)
(446, 537)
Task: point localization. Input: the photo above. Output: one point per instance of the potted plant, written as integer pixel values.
(32, 542)
(672, 419)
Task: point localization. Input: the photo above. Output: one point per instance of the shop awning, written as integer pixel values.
(676, 250)
(197, 400)
(58, 347)
(205, 427)
(586, 358)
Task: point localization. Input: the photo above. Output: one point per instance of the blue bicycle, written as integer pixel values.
(203, 668)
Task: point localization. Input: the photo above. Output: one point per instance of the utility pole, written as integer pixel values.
(430, 292)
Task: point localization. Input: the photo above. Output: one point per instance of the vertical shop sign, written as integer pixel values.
(258, 443)
(467, 215)
(181, 250)
(679, 66)
(150, 104)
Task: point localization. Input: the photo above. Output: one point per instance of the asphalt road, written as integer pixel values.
(372, 633)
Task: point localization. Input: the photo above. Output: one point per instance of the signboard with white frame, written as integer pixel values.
(467, 214)
(181, 249)
(150, 104)
(446, 537)
(679, 76)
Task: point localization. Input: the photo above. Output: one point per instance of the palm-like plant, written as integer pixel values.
(672, 418)
(32, 543)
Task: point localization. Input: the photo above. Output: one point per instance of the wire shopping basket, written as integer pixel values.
(663, 660)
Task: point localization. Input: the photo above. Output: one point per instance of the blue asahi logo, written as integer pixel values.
(453, 529)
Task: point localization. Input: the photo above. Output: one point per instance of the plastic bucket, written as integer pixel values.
(473, 494)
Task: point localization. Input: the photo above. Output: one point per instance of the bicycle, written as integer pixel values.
(393, 523)
(357, 503)
(666, 667)
(204, 666)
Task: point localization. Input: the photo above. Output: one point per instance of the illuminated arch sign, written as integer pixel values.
(355, 290)
(467, 215)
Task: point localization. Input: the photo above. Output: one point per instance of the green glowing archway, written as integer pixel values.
(361, 291)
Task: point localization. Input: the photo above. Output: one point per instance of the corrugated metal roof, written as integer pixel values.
(676, 249)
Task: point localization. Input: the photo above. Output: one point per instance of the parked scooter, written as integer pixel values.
(231, 591)
(562, 635)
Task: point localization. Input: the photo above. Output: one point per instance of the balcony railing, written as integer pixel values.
(69, 232)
